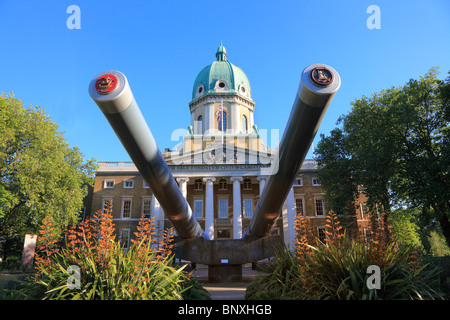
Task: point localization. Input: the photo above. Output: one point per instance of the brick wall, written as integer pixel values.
(308, 192)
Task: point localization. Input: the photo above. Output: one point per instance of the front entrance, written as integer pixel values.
(223, 233)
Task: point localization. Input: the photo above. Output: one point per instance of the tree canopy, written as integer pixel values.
(39, 173)
(394, 146)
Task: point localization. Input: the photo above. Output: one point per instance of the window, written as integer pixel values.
(128, 184)
(198, 209)
(244, 124)
(145, 184)
(221, 85)
(224, 117)
(298, 182)
(247, 185)
(242, 90)
(315, 181)
(364, 209)
(248, 208)
(367, 234)
(223, 208)
(147, 207)
(126, 208)
(198, 185)
(124, 238)
(108, 184)
(199, 91)
(299, 206)
(320, 208)
(322, 235)
(200, 125)
(223, 184)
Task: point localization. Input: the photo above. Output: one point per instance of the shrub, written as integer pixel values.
(194, 290)
(106, 270)
(278, 280)
(437, 244)
(340, 272)
(337, 269)
(11, 263)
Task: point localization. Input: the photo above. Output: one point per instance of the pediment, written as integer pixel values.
(220, 154)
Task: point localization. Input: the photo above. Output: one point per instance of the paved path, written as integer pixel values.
(225, 291)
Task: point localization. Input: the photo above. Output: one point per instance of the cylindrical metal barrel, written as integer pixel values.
(318, 85)
(111, 92)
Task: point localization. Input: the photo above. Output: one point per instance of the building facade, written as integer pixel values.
(221, 166)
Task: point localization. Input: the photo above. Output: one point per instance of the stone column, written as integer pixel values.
(183, 185)
(211, 116)
(193, 122)
(251, 120)
(289, 219)
(237, 207)
(235, 121)
(262, 183)
(209, 207)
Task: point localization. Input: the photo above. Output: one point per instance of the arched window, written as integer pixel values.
(200, 125)
(224, 117)
(244, 124)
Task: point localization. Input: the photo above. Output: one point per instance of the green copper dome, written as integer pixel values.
(221, 77)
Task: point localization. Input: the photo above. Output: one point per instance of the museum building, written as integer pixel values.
(221, 166)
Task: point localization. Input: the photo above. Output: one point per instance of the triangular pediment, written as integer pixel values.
(218, 153)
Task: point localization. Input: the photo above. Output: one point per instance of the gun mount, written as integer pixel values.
(318, 85)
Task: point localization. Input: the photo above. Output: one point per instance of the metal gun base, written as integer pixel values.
(226, 257)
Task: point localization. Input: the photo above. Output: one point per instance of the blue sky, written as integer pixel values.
(161, 46)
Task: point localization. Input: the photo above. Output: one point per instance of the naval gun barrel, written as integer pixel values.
(318, 85)
(111, 92)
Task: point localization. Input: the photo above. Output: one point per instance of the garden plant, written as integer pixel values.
(337, 269)
(105, 269)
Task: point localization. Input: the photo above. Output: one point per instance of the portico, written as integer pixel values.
(218, 201)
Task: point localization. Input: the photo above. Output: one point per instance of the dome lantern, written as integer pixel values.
(221, 53)
(221, 76)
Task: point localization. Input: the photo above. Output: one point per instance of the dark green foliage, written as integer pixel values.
(395, 147)
(339, 272)
(194, 290)
(279, 279)
(39, 174)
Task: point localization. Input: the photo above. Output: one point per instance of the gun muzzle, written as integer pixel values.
(318, 85)
(111, 92)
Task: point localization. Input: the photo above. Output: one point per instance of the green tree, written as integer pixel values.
(395, 145)
(39, 173)
(338, 176)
